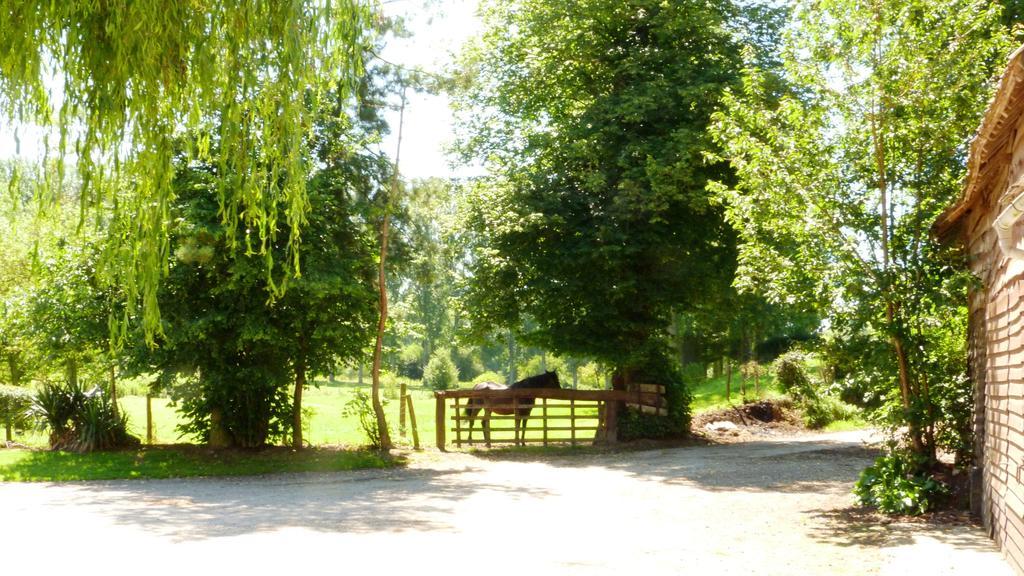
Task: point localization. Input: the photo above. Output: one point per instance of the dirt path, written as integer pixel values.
(767, 507)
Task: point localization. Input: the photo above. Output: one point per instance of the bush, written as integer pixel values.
(441, 373)
(467, 362)
(899, 483)
(790, 373)
(360, 406)
(660, 369)
(489, 376)
(15, 405)
(410, 361)
(819, 409)
(81, 421)
(824, 410)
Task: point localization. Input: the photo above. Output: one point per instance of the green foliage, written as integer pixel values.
(410, 360)
(489, 376)
(441, 373)
(15, 405)
(80, 420)
(823, 409)
(843, 158)
(791, 375)
(242, 349)
(898, 483)
(178, 462)
(135, 75)
(659, 369)
(361, 408)
(819, 407)
(594, 221)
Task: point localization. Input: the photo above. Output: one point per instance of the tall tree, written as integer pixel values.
(841, 177)
(594, 222)
(134, 75)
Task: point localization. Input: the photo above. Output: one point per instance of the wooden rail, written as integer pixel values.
(558, 415)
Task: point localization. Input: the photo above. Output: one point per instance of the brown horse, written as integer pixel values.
(522, 410)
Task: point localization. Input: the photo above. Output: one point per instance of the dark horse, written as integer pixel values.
(522, 409)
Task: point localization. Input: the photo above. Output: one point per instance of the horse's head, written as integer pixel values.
(551, 380)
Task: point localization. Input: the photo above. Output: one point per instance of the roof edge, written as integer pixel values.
(1011, 79)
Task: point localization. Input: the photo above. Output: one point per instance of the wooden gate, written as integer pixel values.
(559, 416)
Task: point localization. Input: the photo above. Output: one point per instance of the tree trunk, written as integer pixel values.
(72, 371)
(728, 382)
(511, 358)
(359, 374)
(300, 383)
(382, 284)
(149, 418)
(113, 389)
(378, 349)
(219, 437)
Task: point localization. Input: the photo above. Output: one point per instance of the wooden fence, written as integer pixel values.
(559, 416)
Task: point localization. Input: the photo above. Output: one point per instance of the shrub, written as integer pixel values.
(489, 376)
(410, 361)
(790, 373)
(81, 421)
(823, 410)
(15, 404)
(899, 483)
(441, 373)
(820, 409)
(660, 369)
(467, 362)
(361, 407)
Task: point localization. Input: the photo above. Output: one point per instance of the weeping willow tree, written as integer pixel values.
(115, 83)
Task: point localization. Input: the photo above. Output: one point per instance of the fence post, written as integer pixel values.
(412, 420)
(611, 414)
(401, 410)
(149, 418)
(440, 422)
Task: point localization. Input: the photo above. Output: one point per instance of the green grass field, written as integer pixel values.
(327, 430)
(711, 395)
(178, 462)
(328, 427)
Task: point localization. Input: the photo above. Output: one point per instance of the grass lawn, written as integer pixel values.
(711, 394)
(178, 462)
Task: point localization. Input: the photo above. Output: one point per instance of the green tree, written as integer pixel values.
(240, 350)
(594, 223)
(841, 176)
(134, 75)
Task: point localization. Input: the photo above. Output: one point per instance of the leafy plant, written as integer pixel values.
(819, 408)
(790, 374)
(899, 483)
(81, 421)
(489, 376)
(56, 405)
(14, 408)
(441, 373)
(361, 408)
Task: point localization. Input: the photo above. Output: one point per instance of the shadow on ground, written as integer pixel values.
(354, 502)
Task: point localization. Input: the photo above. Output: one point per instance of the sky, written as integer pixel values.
(439, 28)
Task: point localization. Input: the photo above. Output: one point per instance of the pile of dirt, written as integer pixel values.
(772, 417)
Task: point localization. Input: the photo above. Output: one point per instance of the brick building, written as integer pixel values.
(989, 221)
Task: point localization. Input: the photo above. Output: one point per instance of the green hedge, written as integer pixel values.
(15, 404)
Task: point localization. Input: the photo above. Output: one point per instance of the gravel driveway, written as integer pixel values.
(765, 507)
